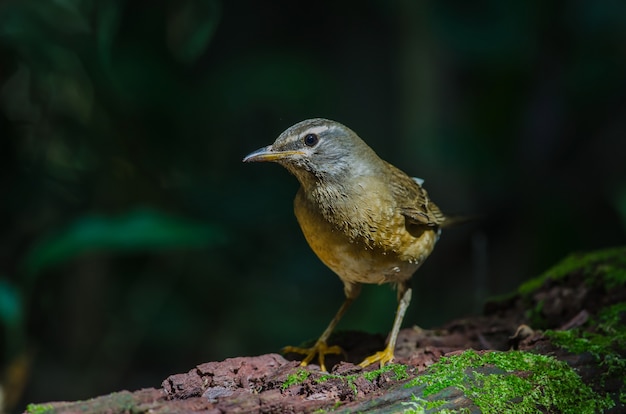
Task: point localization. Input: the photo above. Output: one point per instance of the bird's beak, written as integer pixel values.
(269, 154)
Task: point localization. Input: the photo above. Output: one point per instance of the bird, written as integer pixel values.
(365, 219)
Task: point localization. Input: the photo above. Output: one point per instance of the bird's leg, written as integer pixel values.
(321, 348)
(386, 355)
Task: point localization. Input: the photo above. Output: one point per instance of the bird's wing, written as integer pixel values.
(413, 200)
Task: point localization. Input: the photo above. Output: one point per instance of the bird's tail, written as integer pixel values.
(455, 220)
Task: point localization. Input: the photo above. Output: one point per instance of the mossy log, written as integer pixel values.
(558, 344)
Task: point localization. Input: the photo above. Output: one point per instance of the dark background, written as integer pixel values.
(135, 244)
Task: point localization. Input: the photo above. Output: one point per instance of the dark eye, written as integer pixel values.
(310, 140)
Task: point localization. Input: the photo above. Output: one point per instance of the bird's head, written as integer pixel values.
(318, 149)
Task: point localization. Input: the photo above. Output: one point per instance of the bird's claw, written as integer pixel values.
(320, 349)
(384, 357)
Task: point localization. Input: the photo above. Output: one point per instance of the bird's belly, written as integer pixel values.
(355, 261)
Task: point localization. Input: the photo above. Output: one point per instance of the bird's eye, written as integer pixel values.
(310, 140)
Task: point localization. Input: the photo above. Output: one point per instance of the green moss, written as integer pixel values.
(399, 370)
(609, 264)
(39, 409)
(605, 339)
(515, 381)
(296, 378)
(333, 408)
(421, 406)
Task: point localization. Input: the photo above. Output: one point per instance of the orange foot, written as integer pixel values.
(320, 348)
(384, 357)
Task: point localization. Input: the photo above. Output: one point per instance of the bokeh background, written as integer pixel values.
(135, 244)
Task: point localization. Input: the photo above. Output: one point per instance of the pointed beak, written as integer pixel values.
(269, 154)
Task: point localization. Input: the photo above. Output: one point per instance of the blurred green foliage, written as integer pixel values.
(11, 308)
(141, 230)
(135, 244)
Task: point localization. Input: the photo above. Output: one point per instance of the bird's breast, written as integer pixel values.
(364, 244)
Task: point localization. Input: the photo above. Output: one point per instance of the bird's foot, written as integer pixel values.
(320, 349)
(384, 357)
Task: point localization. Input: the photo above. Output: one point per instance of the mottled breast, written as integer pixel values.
(370, 249)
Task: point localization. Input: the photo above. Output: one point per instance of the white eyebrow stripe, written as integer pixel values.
(317, 129)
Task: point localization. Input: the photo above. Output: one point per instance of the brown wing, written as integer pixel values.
(413, 200)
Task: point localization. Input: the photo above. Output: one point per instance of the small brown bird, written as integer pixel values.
(364, 218)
